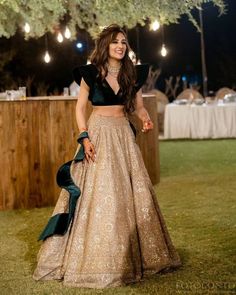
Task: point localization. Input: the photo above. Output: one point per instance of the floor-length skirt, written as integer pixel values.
(118, 234)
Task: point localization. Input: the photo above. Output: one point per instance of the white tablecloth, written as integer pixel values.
(205, 121)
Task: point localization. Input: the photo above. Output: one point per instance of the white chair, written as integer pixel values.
(162, 101)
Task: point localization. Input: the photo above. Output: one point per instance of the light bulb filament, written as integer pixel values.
(67, 33)
(47, 57)
(60, 37)
(163, 50)
(27, 28)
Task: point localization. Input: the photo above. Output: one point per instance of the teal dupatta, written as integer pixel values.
(59, 223)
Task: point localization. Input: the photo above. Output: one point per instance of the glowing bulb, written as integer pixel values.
(88, 61)
(155, 25)
(79, 45)
(67, 33)
(60, 37)
(47, 57)
(139, 62)
(132, 55)
(163, 50)
(27, 28)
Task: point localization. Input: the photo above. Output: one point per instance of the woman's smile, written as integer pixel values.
(117, 47)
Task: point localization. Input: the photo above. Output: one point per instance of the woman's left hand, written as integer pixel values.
(147, 125)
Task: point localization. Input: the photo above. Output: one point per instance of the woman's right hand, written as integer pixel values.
(89, 150)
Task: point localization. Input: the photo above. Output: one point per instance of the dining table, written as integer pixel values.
(215, 120)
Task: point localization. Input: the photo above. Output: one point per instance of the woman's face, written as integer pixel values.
(118, 47)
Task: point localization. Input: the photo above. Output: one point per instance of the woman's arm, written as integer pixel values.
(81, 121)
(81, 106)
(142, 113)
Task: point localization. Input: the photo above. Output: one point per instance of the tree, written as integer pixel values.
(45, 15)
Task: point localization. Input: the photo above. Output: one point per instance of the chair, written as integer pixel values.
(162, 101)
(189, 94)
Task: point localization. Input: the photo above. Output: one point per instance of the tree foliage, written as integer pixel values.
(51, 15)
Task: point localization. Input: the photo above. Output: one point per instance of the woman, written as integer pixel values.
(106, 229)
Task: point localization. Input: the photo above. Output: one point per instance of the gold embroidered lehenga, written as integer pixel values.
(118, 234)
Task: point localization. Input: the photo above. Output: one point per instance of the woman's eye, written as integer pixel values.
(116, 42)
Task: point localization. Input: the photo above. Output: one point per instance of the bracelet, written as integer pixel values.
(84, 129)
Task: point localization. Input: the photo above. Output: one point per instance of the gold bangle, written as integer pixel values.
(83, 129)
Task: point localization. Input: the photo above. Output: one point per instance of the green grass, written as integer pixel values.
(197, 196)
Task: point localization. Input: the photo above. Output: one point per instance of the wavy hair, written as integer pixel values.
(127, 74)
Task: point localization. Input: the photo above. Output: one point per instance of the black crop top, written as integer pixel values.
(100, 92)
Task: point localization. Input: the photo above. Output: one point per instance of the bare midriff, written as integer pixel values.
(113, 111)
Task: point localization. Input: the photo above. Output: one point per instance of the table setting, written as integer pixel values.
(201, 118)
(20, 93)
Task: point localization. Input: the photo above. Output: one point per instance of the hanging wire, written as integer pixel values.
(137, 44)
(162, 34)
(46, 41)
(163, 47)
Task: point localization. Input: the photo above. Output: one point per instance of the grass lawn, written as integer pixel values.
(197, 196)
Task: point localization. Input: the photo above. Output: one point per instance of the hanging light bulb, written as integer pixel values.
(88, 61)
(139, 62)
(67, 33)
(47, 57)
(60, 37)
(163, 50)
(155, 25)
(27, 28)
(79, 45)
(132, 56)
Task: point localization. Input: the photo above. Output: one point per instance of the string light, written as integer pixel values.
(79, 45)
(88, 61)
(47, 57)
(60, 37)
(132, 56)
(27, 28)
(155, 25)
(163, 50)
(67, 33)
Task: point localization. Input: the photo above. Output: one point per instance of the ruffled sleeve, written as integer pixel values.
(87, 72)
(142, 72)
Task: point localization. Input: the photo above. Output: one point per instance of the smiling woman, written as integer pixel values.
(117, 49)
(107, 229)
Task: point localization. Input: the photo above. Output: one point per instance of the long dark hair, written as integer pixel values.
(127, 74)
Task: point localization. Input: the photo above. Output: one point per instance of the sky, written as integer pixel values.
(182, 41)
